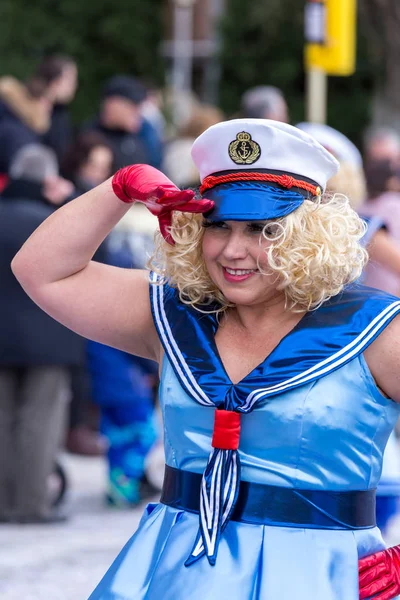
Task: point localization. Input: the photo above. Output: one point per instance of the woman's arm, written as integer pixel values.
(103, 303)
(107, 304)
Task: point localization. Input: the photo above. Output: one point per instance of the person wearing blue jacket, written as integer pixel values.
(123, 386)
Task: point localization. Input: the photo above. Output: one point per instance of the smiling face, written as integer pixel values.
(234, 254)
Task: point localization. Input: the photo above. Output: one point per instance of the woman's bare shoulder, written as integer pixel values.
(383, 358)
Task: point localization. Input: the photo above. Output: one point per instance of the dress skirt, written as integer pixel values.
(255, 562)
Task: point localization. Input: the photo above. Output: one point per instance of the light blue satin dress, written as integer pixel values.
(327, 434)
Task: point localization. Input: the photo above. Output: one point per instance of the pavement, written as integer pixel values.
(66, 561)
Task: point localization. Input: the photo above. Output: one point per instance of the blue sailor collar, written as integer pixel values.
(323, 341)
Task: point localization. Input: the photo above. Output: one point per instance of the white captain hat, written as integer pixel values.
(260, 169)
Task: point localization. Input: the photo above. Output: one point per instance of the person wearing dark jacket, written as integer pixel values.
(132, 137)
(36, 352)
(24, 118)
(59, 76)
(37, 110)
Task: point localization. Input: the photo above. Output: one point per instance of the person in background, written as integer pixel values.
(25, 117)
(382, 176)
(352, 181)
(133, 139)
(382, 144)
(178, 165)
(383, 182)
(36, 111)
(58, 75)
(87, 163)
(152, 109)
(124, 385)
(36, 352)
(264, 102)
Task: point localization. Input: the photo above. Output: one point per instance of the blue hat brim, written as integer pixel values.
(251, 201)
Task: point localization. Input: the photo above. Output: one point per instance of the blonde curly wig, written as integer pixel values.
(314, 251)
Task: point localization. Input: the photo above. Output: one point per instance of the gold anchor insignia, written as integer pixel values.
(244, 150)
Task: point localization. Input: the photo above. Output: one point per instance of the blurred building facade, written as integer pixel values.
(191, 46)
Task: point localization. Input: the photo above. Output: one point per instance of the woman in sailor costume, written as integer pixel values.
(279, 374)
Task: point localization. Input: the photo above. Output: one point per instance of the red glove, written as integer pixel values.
(379, 574)
(146, 184)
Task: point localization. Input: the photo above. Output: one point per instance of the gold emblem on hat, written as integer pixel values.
(244, 150)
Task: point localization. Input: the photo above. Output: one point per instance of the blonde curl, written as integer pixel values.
(315, 251)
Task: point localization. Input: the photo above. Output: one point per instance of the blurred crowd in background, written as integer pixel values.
(58, 391)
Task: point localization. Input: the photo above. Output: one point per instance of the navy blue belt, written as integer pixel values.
(272, 505)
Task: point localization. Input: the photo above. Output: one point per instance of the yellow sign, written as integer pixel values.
(330, 27)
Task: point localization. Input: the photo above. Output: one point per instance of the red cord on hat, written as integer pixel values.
(226, 432)
(286, 181)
